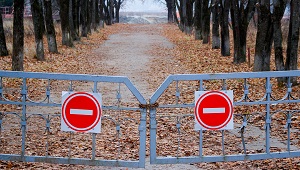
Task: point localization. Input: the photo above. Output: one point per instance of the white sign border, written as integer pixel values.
(65, 127)
(230, 124)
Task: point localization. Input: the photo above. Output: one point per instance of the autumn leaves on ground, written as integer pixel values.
(188, 55)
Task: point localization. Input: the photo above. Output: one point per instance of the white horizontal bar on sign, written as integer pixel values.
(81, 112)
(213, 110)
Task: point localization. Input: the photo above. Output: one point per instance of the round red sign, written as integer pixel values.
(213, 110)
(81, 111)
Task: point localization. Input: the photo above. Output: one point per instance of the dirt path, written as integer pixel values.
(129, 54)
(132, 53)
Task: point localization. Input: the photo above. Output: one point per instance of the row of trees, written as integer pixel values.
(221, 14)
(77, 17)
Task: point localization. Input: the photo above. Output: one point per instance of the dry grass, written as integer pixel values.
(29, 46)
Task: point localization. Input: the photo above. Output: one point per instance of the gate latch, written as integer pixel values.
(149, 106)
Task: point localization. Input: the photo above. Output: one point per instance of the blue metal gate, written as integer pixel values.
(264, 114)
(30, 121)
(265, 117)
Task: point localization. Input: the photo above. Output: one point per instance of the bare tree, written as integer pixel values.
(198, 19)
(205, 21)
(293, 37)
(18, 36)
(241, 14)
(51, 36)
(215, 22)
(83, 18)
(65, 24)
(3, 47)
(278, 12)
(75, 17)
(264, 37)
(101, 13)
(38, 23)
(224, 16)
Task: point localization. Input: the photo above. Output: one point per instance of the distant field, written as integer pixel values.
(143, 17)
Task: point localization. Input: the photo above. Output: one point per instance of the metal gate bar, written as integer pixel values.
(94, 79)
(266, 100)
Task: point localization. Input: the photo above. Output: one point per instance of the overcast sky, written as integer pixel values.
(139, 6)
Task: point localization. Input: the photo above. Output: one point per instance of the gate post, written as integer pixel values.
(142, 130)
(23, 118)
(152, 135)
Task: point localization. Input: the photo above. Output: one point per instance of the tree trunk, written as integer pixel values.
(205, 22)
(241, 17)
(71, 20)
(83, 16)
(97, 16)
(180, 10)
(89, 17)
(225, 40)
(117, 15)
(37, 17)
(75, 20)
(93, 14)
(3, 47)
(293, 39)
(18, 36)
(111, 10)
(278, 11)
(65, 24)
(264, 37)
(170, 10)
(102, 17)
(215, 29)
(51, 37)
(108, 13)
(189, 17)
(198, 20)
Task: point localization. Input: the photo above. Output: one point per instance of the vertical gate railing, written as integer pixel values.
(265, 119)
(40, 138)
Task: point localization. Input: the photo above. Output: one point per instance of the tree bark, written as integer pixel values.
(198, 20)
(93, 12)
(215, 28)
(170, 10)
(225, 40)
(118, 6)
(293, 38)
(37, 17)
(89, 17)
(73, 20)
(18, 36)
(189, 17)
(205, 22)
(65, 24)
(278, 11)
(180, 10)
(111, 11)
(241, 17)
(83, 16)
(102, 16)
(97, 15)
(51, 37)
(3, 47)
(264, 37)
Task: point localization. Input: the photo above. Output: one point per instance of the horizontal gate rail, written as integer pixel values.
(181, 108)
(92, 82)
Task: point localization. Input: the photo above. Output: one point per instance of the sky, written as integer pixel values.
(139, 6)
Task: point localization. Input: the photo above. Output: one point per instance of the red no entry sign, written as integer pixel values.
(213, 110)
(81, 112)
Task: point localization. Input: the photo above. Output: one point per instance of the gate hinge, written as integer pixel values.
(149, 106)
